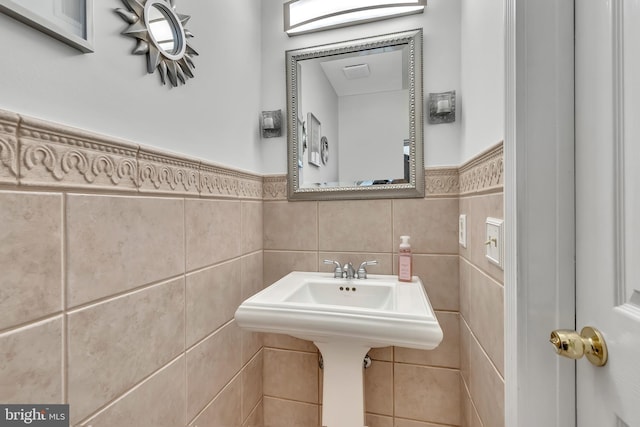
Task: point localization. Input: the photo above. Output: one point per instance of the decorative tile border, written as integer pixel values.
(8, 147)
(59, 156)
(484, 173)
(163, 173)
(274, 187)
(37, 153)
(441, 182)
(219, 181)
(251, 187)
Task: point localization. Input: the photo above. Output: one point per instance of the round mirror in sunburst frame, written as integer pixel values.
(162, 37)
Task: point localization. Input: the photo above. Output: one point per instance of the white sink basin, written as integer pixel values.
(375, 312)
(344, 318)
(377, 296)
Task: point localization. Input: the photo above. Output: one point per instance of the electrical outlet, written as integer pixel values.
(462, 230)
(494, 242)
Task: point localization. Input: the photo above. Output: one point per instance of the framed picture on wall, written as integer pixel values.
(70, 21)
(313, 136)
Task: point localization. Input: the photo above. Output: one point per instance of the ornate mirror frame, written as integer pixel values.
(416, 186)
(175, 65)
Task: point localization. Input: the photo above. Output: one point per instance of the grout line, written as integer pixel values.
(213, 399)
(32, 322)
(293, 351)
(446, 311)
(481, 271)
(393, 383)
(253, 410)
(480, 193)
(445, 368)
(242, 286)
(184, 345)
(484, 352)
(292, 400)
(491, 192)
(391, 252)
(129, 390)
(184, 233)
(209, 335)
(473, 404)
(65, 299)
(220, 263)
(431, 423)
(120, 294)
(111, 192)
(251, 359)
(241, 372)
(393, 233)
(184, 248)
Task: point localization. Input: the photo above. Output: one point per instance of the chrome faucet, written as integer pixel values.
(348, 272)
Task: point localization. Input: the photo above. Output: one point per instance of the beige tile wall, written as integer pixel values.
(458, 384)
(402, 386)
(101, 311)
(120, 302)
(482, 306)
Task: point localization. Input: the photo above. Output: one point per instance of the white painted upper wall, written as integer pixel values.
(213, 117)
(239, 72)
(481, 98)
(441, 58)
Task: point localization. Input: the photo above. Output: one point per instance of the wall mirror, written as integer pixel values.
(355, 121)
(161, 35)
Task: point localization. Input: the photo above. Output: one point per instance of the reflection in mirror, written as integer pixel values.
(362, 100)
(163, 30)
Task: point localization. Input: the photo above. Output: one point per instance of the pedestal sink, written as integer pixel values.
(344, 318)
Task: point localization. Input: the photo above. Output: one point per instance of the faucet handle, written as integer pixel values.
(362, 271)
(337, 273)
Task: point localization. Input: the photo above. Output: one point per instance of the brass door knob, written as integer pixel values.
(589, 342)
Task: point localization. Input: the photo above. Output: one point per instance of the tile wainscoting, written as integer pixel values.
(403, 387)
(481, 295)
(121, 266)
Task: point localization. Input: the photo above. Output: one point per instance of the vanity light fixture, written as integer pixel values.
(306, 16)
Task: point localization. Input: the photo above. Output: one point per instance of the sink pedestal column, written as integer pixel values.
(343, 384)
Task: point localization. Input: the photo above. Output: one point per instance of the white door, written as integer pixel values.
(607, 109)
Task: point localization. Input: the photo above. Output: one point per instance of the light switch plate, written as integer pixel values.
(462, 230)
(494, 242)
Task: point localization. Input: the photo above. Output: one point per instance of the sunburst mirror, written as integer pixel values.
(161, 35)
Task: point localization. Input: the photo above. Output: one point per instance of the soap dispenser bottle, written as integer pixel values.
(405, 270)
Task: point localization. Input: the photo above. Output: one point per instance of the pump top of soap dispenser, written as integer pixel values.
(404, 242)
